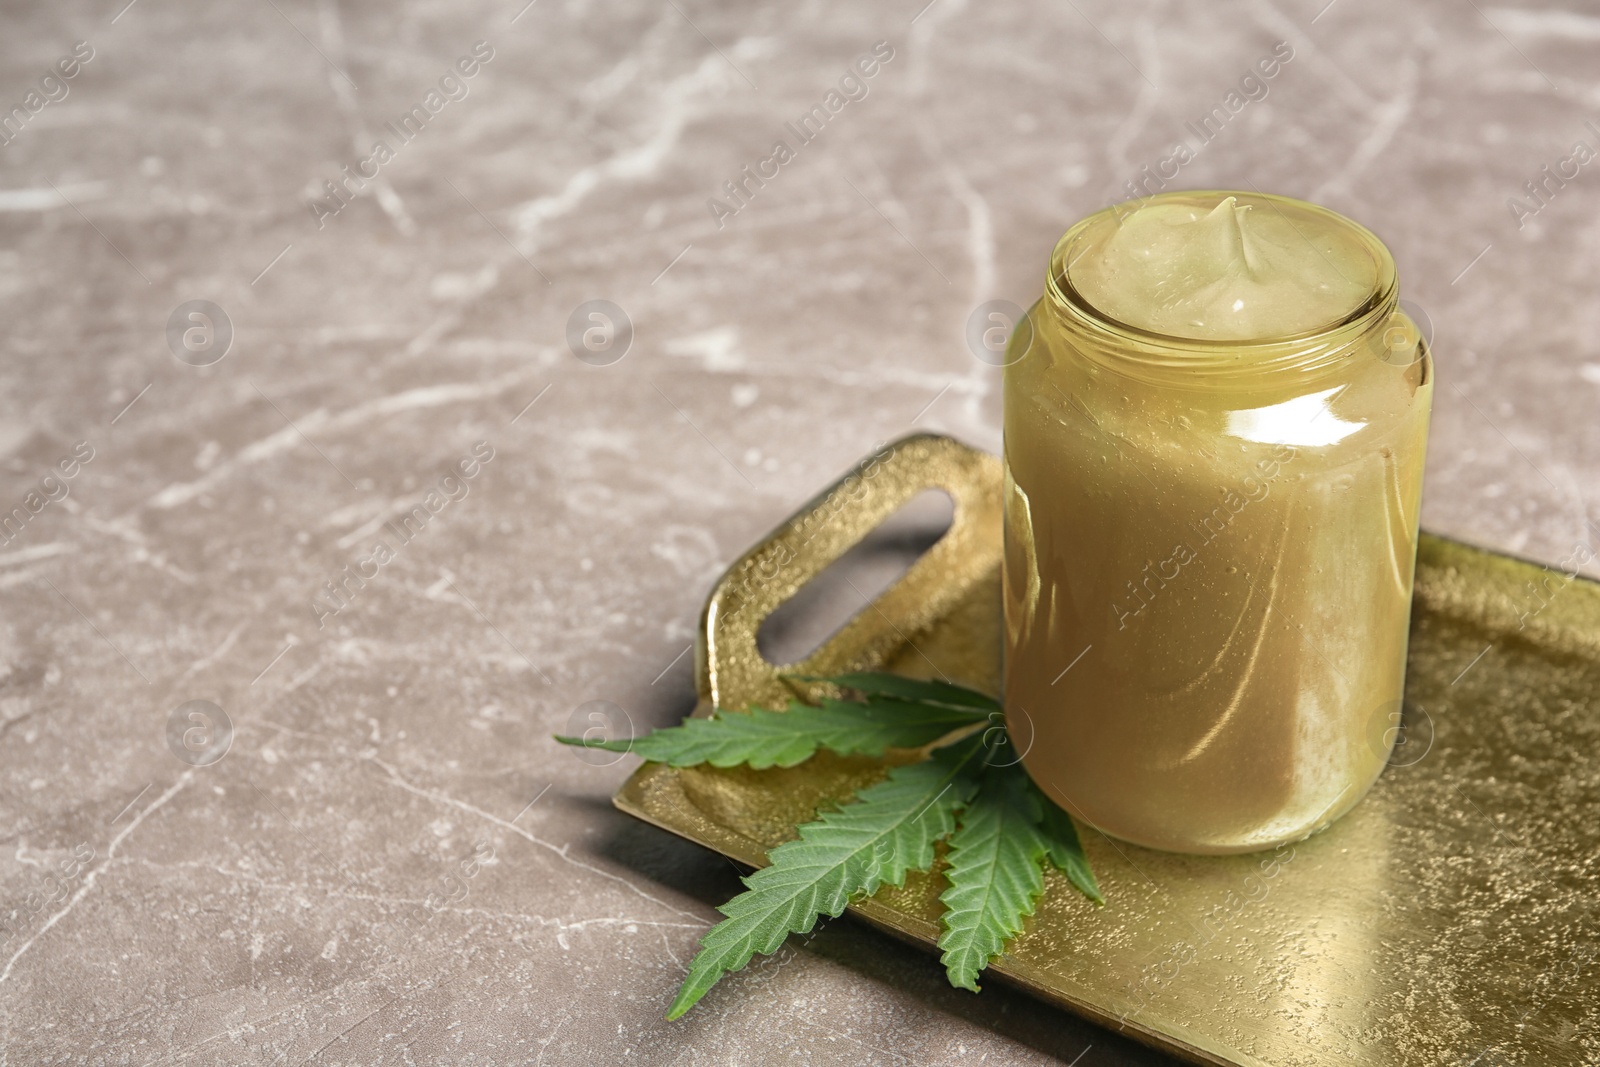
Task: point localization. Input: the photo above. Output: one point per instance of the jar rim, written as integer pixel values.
(1135, 347)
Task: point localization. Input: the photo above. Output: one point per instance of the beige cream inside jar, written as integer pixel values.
(1215, 424)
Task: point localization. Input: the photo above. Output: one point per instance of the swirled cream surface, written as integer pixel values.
(1220, 267)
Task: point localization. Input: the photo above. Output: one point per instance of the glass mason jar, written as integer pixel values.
(1209, 549)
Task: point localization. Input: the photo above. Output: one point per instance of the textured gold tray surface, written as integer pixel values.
(1448, 920)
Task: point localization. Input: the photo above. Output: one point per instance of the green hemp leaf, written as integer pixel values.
(763, 738)
(888, 830)
(970, 791)
(995, 867)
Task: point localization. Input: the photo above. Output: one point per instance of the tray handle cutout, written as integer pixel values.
(730, 671)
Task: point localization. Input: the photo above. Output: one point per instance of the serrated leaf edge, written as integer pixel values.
(703, 976)
(998, 799)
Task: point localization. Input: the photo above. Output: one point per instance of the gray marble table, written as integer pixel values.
(393, 863)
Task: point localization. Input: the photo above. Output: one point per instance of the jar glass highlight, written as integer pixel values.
(1209, 549)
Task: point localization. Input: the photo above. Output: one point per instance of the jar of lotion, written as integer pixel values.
(1215, 422)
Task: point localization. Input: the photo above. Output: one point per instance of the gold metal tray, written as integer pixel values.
(1448, 920)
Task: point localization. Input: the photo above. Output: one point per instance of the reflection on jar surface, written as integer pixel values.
(1211, 519)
